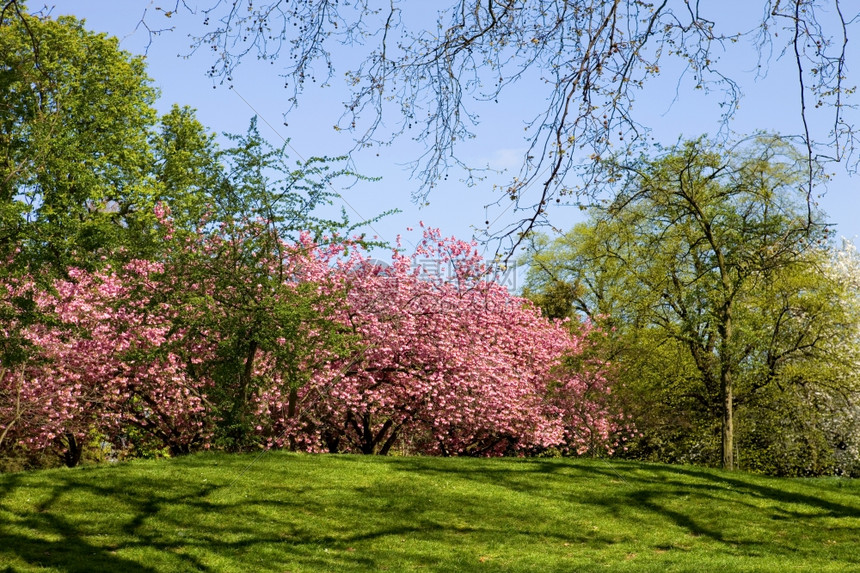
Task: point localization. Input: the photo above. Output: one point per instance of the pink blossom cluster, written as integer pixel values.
(446, 365)
(103, 362)
(452, 365)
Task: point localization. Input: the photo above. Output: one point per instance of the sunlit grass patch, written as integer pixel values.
(288, 512)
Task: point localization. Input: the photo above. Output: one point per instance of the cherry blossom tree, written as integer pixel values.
(97, 366)
(450, 363)
(338, 353)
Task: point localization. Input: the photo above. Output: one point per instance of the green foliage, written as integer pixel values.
(186, 166)
(74, 141)
(86, 164)
(17, 459)
(712, 276)
(261, 182)
(139, 444)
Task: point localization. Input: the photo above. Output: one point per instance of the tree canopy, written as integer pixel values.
(75, 153)
(705, 267)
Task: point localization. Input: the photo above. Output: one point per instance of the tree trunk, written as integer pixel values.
(291, 413)
(726, 392)
(728, 424)
(291, 402)
(386, 447)
(368, 447)
(241, 403)
(73, 452)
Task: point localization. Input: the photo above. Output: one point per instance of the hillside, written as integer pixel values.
(285, 512)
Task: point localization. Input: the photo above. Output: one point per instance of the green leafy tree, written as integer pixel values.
(86, 166)
(75, 155)
(247, 222)
(706, 266)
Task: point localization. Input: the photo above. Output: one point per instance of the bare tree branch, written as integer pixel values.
(425, 73)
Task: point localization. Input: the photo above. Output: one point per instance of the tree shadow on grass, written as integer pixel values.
(54, 532)
(643, 495)
(521, 477)
(225, 527)
(159, 523)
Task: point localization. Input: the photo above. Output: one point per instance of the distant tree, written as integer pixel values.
(708, 271)
(427, 70)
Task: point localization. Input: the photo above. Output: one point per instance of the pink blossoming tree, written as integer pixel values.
(449, 363)
(238, 338)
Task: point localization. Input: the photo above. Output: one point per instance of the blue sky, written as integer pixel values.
(769, 104)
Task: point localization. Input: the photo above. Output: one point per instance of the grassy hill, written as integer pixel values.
(287, 512)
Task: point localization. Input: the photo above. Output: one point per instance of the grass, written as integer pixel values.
(288, 512)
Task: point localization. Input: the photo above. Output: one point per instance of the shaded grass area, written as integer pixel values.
(290, 512)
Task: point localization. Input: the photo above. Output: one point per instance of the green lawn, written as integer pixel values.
(288, 512)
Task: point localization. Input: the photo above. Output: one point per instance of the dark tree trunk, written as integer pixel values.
(72, 455)
(291, 402)
(241, 400)
(386, 447)
(292, 399)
